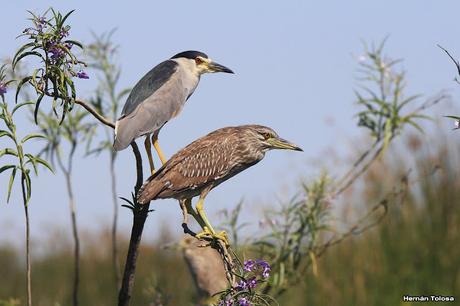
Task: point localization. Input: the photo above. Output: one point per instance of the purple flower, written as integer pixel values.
(2, 89)
(243, 301)
(63, 33)
(41, 23)
(245, 285)
(248, 265)
(242, 285)
(252, 283)
(259, 264)
(56, 53)
(82, 75)
(68, 45)
(264, 266)
(228, 302)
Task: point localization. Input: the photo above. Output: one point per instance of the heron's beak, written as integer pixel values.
(215, 67)
(280, 143)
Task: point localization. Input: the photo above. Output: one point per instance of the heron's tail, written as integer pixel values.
(123, 136)
(150, 189)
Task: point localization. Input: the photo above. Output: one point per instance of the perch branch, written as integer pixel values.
(140, 214)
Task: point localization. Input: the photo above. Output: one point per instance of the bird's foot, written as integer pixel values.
(207, 234)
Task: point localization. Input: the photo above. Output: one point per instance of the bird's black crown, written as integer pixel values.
(190, 54)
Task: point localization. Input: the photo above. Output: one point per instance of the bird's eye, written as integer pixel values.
(266, 135)
(198, 60)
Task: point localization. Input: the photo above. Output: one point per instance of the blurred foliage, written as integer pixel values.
(232, 223)
(382, 85)
(74, 131)
(293, 233)
(102, 58)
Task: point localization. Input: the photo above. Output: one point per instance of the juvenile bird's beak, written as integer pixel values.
(215, 67)
(280, 143)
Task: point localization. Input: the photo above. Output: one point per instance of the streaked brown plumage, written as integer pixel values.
(209, 161)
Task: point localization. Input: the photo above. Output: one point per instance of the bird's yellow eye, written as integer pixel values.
(266, 135)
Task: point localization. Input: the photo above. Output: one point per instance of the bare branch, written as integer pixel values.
(93, 112)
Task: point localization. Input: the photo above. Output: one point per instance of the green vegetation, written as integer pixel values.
(414, 250)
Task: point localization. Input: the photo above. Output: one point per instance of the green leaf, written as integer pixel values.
(32, 136)
(74, 42)
(21, 83)
(453, 117)
(4, 168)
(406, 101)
(420, 116)
(8, 151)
(28, 186)
(28, 45)
(415, 125)
(31, 159)
(28, 53)
(65, 17)
(386, 136)
(37, 105)
(21, 105)
(10, 184)
(44, 163)
(6, 133)
(72, 88)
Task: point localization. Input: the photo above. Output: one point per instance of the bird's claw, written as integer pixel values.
(206, 233)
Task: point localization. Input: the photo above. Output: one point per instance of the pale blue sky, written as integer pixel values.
(295, 71)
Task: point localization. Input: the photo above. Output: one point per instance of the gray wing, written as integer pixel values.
(149, 83)
(151, 105)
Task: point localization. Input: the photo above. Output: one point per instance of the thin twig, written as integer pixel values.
(93, 112)
(73, 217)
(116, 267)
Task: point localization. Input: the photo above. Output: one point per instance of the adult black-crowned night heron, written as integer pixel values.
(160, 96)
(208, 162)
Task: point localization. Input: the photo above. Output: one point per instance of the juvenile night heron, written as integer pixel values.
(160, 96)
(208, 162)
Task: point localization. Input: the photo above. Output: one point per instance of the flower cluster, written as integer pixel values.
(48, 40)
(255, 272)
(258, 265)
(52, 38)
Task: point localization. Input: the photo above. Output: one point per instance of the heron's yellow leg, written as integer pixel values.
(156, 145)
(148, 149)
(186, 206)
(207, 228)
